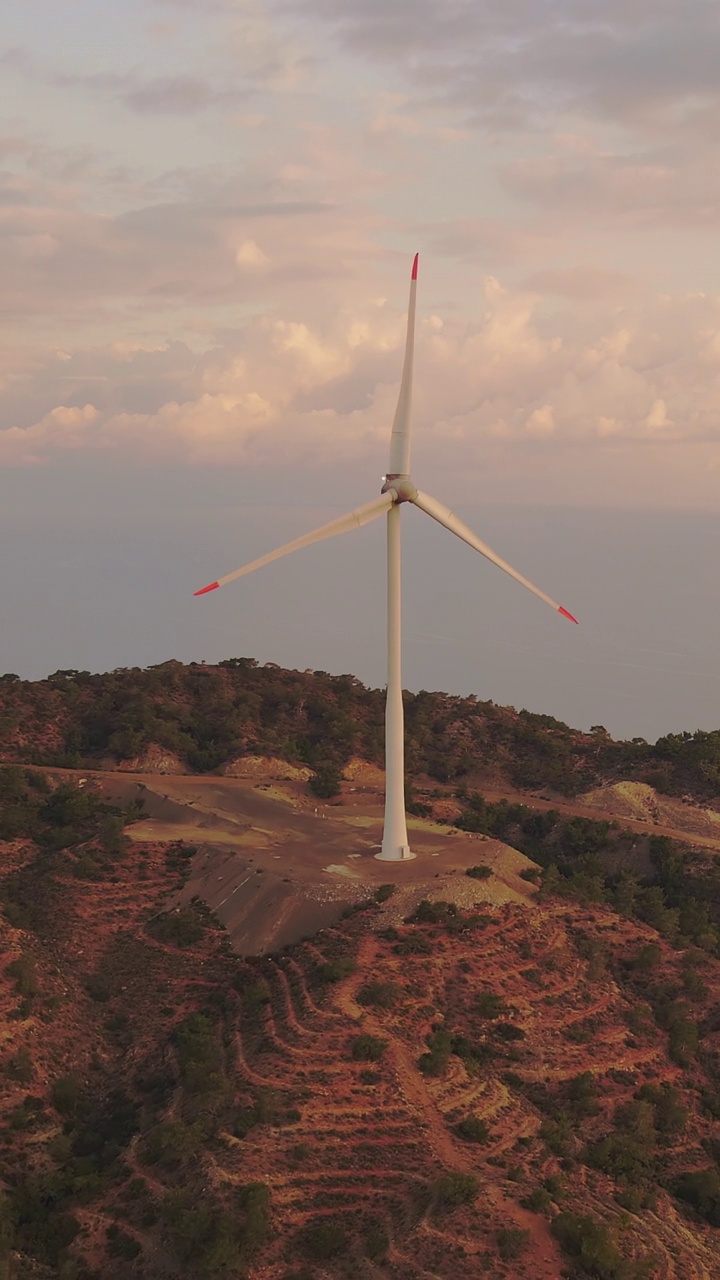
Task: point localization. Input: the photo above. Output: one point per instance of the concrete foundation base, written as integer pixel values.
(396, 853)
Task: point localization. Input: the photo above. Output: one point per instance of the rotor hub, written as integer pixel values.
(401, 486)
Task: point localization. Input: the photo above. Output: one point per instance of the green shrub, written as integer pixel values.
(670, 1115)
(592, 1247)
(137, 1189)
(300, 1152)
(171, 1144)
(558, 1135)
(254, 995)
(98, 988)
(381, 995)
(335, 970)
(377, 1242)
(65, 1093)
(634, 1199)
(118, 1028)
(266, 1109)
(385, 891)
(701, 1190)
(512, 1242)
(625, 1157)
(369, 1077)
(323, 1239)
(254, 1200)
(579, 1094)
(210, 1239)
(553, 1184)
(472, 1052)
(23, 971)
(508, 1031)
(472, 1129)
(367, 1048)
(479, 872)
(415, 945)
(325, 783)
(647, 958)
(427, 912)
(489, 1004)
(177, 928)
(121, 1245)
(539, 1200)
(44, 1228)
(683, 1040)
(440, 1044)
(453, 1189)
(19, 1066)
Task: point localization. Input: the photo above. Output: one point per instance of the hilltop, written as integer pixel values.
(199, 719)
(238, 1045)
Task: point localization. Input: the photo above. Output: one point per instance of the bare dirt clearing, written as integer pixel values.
(276, 864)
(278, 869)
(637, 800)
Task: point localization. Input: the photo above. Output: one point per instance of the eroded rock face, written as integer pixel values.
(364, 774)
(639, 801)
(154, 759)
(266, 768)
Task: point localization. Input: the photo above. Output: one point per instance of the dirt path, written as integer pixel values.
(411, 1083)
(451, 1155)
(258, 806)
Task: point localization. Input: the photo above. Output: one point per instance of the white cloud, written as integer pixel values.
(657, 422)
(249, 254)
(226, 307)
(541, 422)
(318, 396)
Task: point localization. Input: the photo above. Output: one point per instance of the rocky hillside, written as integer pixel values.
(469, 1090)
(199, 718)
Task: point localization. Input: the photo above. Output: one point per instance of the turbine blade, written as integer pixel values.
(343, 524)
(399, 464)
(446, 517)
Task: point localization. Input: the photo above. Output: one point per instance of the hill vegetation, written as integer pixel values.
(485, 1090)
(651, 879)
(208, 716)
(496, 1092)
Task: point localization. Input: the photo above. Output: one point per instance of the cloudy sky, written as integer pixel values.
(207, 218)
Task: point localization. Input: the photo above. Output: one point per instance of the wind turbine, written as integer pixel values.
(397, 489)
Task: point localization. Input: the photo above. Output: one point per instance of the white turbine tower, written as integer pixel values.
(398, 488)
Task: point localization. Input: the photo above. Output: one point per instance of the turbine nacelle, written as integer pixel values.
(402, 487)
(397, 488)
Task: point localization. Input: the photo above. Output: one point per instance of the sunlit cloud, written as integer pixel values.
(324, 395)
(215, 272)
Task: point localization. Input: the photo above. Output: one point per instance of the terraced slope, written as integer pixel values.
(370, 1154)
(452, 1094)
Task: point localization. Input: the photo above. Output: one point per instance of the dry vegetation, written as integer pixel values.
(492, 1067)
(479, 1091)
(174, 718)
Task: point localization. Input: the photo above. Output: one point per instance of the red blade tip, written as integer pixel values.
(415, 267)
(565, 614)
(211, 587)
